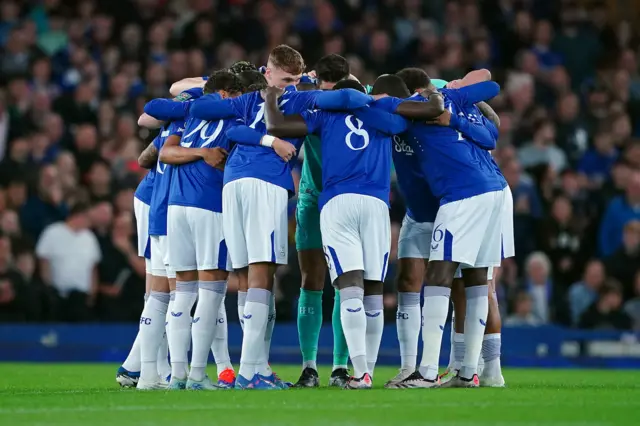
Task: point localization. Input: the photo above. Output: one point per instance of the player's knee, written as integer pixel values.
(350, 279)
(408, 283)
(213, 275)
(187, 275)
(438, 277)
(474, 277)
(313, 281)
(160, 284)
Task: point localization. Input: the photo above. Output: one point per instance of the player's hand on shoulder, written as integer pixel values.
(271, 91)
(284, 149)
(312, 73)
(443, 119)
(379, 96)
(454, 84)
(215, 157)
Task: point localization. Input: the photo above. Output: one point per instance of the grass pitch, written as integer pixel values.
(87, 395)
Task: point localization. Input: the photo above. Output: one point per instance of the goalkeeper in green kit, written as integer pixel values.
(329, 70)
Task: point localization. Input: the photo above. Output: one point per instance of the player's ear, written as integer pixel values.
(223, 94)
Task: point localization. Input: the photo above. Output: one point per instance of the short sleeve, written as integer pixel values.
(176, 128)
(95, 248)
(313, 120)
(439, 84)
(45, 247)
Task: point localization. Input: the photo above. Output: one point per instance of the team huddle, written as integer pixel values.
(212, 213)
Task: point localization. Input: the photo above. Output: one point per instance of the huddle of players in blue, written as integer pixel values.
(439, 141)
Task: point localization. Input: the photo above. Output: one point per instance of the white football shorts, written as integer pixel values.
(415, 239)
(508, 243)
(195, 240)
(356, 235)
(159, 262)
(469, 231)
(141, 212)
(255, 223)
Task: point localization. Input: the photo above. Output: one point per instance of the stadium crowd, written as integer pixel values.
(74, 76)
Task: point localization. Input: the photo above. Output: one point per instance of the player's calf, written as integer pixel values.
(354, 319)
(373, 309)
(152, 326)
(477, 307)
(212, 287)
(434, 314)
(180, 326)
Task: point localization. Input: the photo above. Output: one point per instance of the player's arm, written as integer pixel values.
(149, 157)
(291, 126)
(148, 122)
(212, 107)
(172, 153)
(186, 84)
(245, 135)
(416, 110)
(167, 109)
(383, 121)
(485, 135)
(489, 113)
(479, 92)
(340, 100)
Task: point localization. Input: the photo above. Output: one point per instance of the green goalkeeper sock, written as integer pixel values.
(309, 325)
(340, 349)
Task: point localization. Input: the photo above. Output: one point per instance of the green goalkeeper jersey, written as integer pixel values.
(311, 179)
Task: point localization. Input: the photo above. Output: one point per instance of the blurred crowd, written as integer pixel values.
(74, 76)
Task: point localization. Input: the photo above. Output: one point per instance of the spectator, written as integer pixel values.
(606, 313)
(625, 262)
(45, 207)
(68, 254)
(522, 312)
(121, 273)
(527, 208)
(596, 164)
(539, 285)
(561, 239)
(16, 300)
(620, 211)
(583, 293)
(542, 149)
(632, 307)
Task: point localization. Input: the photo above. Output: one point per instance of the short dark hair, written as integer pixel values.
(242, 66)
(79, 208)
(392, 85)
(287, 59)
(305, 87)
(349, 84)
(332, 68)
(252, 81)
(223, 80)
(414, 78)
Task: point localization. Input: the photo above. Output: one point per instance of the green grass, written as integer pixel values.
(87, 394)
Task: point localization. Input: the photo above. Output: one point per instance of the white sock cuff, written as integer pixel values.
(476, 291)
(458, 337)
(159, 296)
(242, 298)
(492, 336)
(351, 293)
(434, 290)
(259, 295)
(373, 303)
(219, 287)
(408, 299)
(187, 286)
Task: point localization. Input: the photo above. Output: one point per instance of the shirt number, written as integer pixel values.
(357, 130)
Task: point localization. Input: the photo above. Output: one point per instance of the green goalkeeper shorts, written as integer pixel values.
(308, 234)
